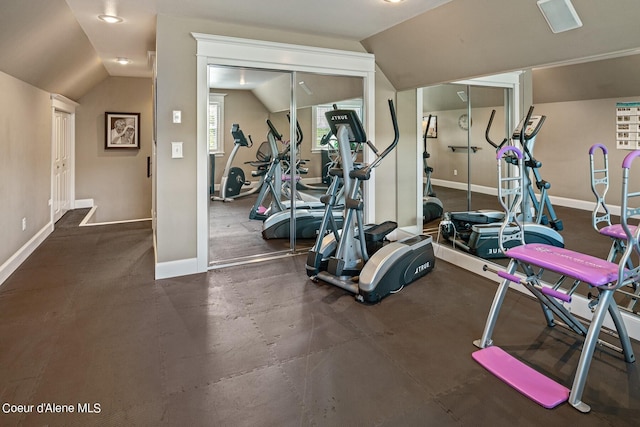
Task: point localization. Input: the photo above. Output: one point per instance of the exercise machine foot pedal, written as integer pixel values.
(377, 232)
(537, 387)
(557, 225)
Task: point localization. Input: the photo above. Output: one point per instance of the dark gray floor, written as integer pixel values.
(83, 321)
(233, 235)
(578, 234)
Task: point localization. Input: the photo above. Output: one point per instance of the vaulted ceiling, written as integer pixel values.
(60, 46)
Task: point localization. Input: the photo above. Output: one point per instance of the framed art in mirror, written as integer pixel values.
(432, 132)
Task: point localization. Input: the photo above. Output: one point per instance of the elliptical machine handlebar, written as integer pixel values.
(365, 173)
(274, 131)
(425, 153)
(486, 133)
(396, 137)
(524, 136)
(299, 135)
(278, 136)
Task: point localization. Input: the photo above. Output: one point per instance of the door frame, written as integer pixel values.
(231, 51)
(65, 105)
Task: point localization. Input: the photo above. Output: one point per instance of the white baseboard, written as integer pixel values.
(182, 267)
(578, 306)
(27, 249)
(584, 205)
(83, 203)
(88, 216)
(85, 221)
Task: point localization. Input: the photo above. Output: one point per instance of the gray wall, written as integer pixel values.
(241, 107)
(41, 43)
(445, 161)
(115, 179)
(471, 38)
(386, 173)
(25, 163)
(562, 146)
(406, 180)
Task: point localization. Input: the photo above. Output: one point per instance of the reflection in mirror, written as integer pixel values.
(579, 101)
(242, 149)
(242, 101)
(315, 95)
(306, 179)
(462, 160)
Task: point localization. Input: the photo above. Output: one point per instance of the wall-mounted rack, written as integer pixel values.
(464, 147)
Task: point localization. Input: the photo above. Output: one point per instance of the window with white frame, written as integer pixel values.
(216, 123)
(320, 123)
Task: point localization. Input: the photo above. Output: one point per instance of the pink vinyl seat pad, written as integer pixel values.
(587, 268)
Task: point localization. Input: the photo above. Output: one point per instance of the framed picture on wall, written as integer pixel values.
(122, 130)
(432, 122)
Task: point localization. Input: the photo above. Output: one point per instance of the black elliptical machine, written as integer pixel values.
(476, 232)
(431, 206)
(360, 259)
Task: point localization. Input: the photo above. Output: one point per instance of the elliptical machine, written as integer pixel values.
(272, 180)
(431, 206)
(477, 231)
(358, 260)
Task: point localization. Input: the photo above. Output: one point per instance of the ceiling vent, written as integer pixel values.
(560, 15)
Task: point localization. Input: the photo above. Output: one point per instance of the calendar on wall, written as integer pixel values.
(628, 125)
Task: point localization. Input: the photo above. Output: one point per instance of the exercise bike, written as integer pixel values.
(360, 259)
(431, 206)
(477, 231)
(233, 177)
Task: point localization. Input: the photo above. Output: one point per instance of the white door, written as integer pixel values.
(61, 157)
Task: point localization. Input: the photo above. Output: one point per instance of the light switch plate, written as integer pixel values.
(177, 116)
(176, 150)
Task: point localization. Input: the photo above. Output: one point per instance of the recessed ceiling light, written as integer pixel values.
(393, 1)
(111, 19)
(123, 61)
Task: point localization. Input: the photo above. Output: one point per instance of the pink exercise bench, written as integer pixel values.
(605, 276)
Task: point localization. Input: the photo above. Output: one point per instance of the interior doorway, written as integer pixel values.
(61, 164)
(62, 156)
